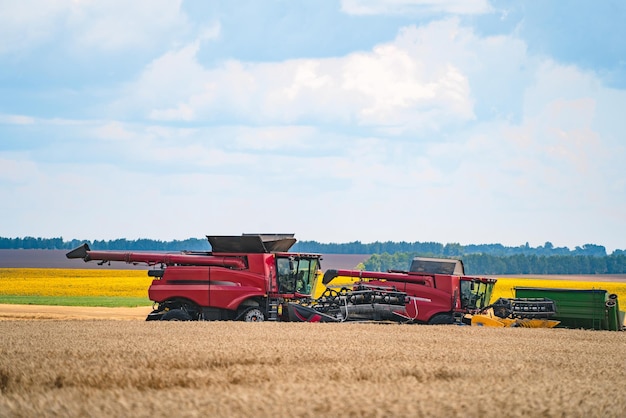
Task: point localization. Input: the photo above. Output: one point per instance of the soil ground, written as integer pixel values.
(13, 312)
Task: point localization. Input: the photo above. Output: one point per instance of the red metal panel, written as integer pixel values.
(428, 301)
(189, 282)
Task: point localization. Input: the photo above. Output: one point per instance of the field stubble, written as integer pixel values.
(133, 368)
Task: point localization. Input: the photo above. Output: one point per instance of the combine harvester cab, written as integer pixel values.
(249, 277)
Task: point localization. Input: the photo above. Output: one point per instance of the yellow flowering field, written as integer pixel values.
(504, 288)
(134, 283)
(74, 282)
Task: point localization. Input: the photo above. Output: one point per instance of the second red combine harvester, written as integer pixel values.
(436, 291)
(254, 277)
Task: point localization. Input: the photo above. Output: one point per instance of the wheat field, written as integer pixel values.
(233, 369)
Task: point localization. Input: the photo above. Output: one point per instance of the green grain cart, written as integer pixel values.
(575, 308)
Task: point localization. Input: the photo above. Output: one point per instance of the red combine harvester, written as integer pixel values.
(243, 278)
(434, 291)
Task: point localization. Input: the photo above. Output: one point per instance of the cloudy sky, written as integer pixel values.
(465, 121)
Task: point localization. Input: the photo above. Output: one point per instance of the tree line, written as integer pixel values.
(486, 264)
(434, 249)
(437, 249)
(486, 259)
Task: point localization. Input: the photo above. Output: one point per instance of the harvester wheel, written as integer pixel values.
(441, 319)
(254, 315)
(176, 315)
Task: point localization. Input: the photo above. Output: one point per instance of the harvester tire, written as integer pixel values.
(441, 319)
(176, 315)
(254, 315)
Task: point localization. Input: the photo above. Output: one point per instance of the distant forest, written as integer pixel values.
(487, 264)
(489, 259)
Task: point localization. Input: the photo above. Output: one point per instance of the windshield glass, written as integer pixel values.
(475, 294)
(296, 274)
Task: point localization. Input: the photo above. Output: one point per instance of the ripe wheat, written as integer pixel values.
(234, 369)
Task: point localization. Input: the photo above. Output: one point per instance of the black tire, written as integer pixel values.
(176, 315)
(441, 319)
(253, 315)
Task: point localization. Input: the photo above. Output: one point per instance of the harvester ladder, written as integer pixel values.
(272, 309)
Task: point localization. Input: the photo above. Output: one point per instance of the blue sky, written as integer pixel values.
(468, 121)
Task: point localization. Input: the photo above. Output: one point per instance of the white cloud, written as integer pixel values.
(101, 25)
(144, 148)
(119, 24)
(414, 7)
(16, 168)
(307, 76)
(16, 119)
(24, 23)
(397, 87)
(556, 173)
(284, 139)
(396, 91)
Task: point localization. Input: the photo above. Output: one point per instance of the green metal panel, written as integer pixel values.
(578, 308)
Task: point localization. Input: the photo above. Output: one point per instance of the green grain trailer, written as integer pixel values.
(575, 308)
